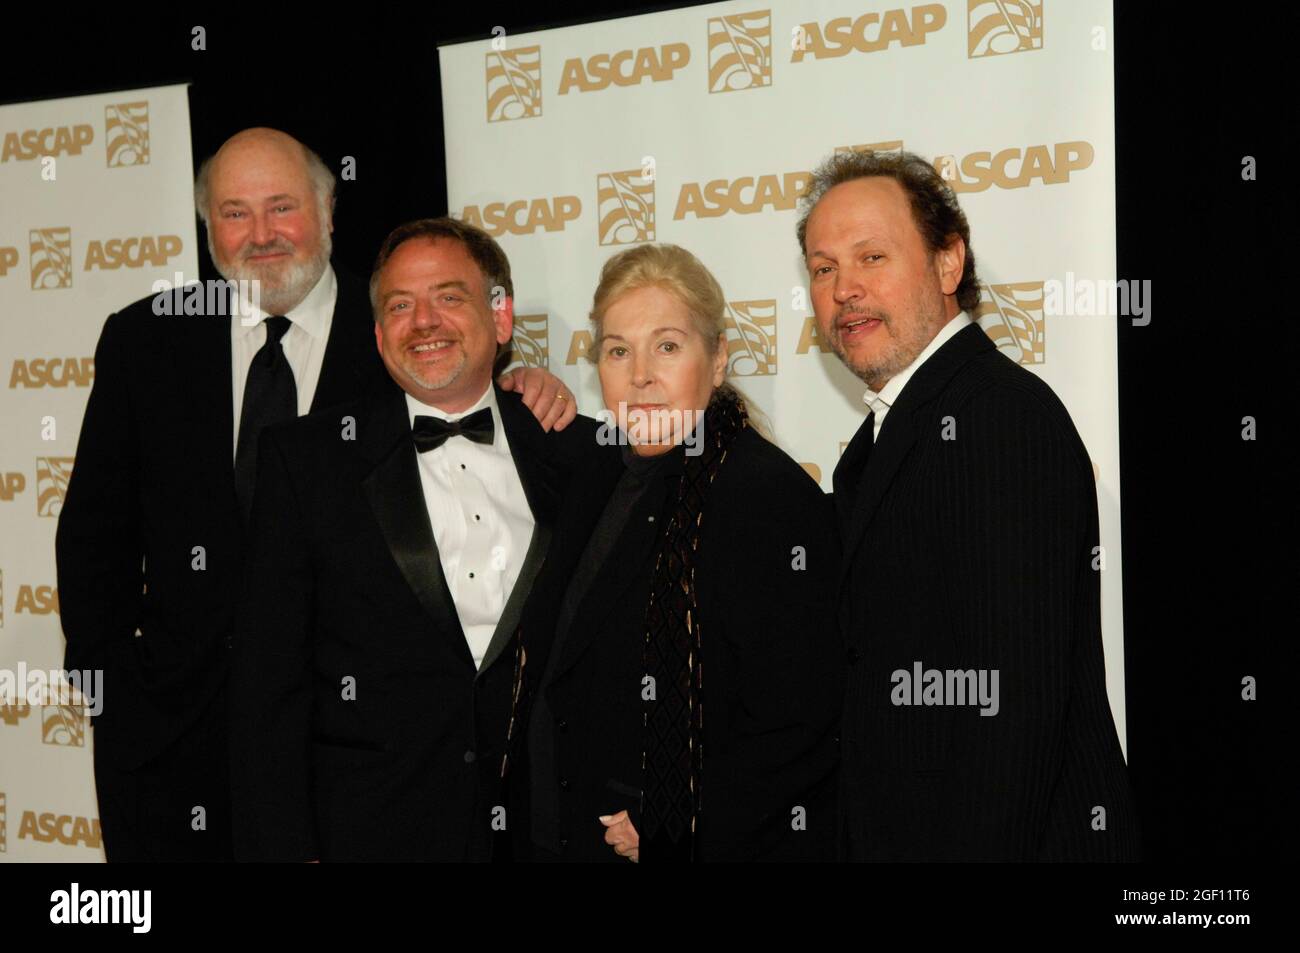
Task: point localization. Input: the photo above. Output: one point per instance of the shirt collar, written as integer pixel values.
(888, 394)
(312, 313)
(416, 408)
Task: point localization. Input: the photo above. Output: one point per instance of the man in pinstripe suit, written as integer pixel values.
(976, 724)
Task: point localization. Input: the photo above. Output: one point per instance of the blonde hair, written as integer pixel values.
(677, 271)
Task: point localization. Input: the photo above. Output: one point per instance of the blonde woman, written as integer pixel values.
(689, 698)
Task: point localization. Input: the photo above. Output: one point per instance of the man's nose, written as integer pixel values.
(262, 233)
(848, 285)
(426, 315)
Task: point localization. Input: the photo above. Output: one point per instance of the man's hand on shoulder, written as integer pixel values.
(551, 402)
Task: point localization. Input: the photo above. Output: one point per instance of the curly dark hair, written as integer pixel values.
(481, 246)
(935, 211)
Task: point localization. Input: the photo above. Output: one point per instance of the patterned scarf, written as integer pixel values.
(672, 757)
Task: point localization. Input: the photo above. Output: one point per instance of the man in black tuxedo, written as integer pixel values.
(396, 540)
(976, 723)
(151, 538)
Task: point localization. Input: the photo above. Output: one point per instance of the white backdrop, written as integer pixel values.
(698, 127)
(96, 203)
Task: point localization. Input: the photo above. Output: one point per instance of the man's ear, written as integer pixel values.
(327, 221)
(503, 314)
(950, 262)
(379, 337)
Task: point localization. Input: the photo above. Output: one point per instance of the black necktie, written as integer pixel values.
(270, 396)
(432, 432)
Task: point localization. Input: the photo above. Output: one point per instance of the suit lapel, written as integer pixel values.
(211, 382)
(617, 580)
(396, 497)
(896, 438)
(847, 478)
(541, 479)
(898, 434)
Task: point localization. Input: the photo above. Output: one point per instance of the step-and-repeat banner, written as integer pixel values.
(96, 204)
(699, 127)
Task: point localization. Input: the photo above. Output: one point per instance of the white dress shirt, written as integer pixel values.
(303, 344)
(481, 520)
(882, 401)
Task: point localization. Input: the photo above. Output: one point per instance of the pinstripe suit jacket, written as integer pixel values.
(969, 532)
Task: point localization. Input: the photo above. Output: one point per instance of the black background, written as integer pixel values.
(1203, 510)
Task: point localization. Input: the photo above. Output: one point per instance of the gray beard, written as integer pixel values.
(901, 353)
(291, 285)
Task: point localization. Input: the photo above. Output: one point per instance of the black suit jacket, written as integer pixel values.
(976, 552)
(360, 728)
(772, 664)
(154, 481)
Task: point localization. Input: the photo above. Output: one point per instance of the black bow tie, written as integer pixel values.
(432, 432)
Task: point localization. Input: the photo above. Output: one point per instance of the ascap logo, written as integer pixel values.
(8, 259)
(1012, 316)
(751, 337)
(892, 145)
(744, 196)
(37, 600)
(63, 725)
(33, 143)
(869, 33)
(11, 484)
(52, 372)
(625, 204)
(1003, 26)
(810, 337)
(126, 129)
(624, 68)
(514, 84)
(11, 712)
(52, 475)
(51, 257)
(523, 217)
(813, 471)
(979, 170)
(64, 828)
(529, 342)
(132, 252)
(740, 51)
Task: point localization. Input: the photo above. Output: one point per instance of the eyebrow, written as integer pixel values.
(456, 283)
(874, 239)
(282, 197)
(619, 337)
